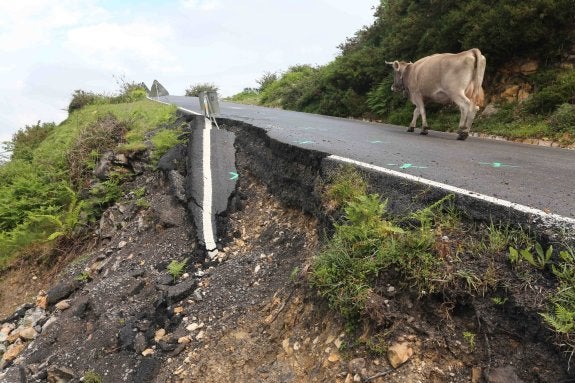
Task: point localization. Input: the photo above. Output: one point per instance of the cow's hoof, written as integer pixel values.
(462, 135)
(411, 129)
(424, 132)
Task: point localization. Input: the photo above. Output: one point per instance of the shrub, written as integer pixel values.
(563, 118)
(556, 88)
(266, 80)
(26, 140)
(247, 96)
(98, 137)
(195, 90)
(82, 98)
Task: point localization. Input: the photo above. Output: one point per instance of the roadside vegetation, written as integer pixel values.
(436, 254)
(357, 83)
(48, 192)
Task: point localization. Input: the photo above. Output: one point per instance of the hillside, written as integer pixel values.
(314, 281)
(529, 81)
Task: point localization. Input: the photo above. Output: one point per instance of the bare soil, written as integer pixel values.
(249, 315)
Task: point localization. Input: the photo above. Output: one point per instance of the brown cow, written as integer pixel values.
(443, 78)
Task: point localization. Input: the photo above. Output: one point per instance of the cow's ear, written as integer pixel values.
(396, 65)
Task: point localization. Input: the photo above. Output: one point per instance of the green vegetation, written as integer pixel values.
(92, 377)
(434, 252)
(539, 260)
(176, 268)
(470, 339)
(47, 192)
(195, 90)
(164, 140)
(357, 83)
(561, 314)
(248, 96)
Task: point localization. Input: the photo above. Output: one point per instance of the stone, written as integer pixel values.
(62, 291)
(529, 67)
(33, 316)
(63, 305)
(399, 353)
(14, 335)
(489, 110)
(181, 290)
(28, 333)
(42, 300)
(355, 366)
(146, 370)
(334, 357)
(60, 374)
(102, 170)
(126, 337)
(503, 375)
(148, 352)
(7, 328)
(13, 351)
(159, 334)
(476, 374)
(140, 343)
(121, 159)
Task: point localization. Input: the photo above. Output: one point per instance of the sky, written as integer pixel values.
(50, 48)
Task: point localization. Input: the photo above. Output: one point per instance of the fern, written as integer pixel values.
(176, 268)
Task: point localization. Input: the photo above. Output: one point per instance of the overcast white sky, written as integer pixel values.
(50, 48)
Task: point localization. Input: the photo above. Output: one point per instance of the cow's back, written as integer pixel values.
(438, 76)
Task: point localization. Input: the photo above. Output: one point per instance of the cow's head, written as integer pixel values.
(399, 70)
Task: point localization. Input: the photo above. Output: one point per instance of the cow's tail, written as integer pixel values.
(474, 90)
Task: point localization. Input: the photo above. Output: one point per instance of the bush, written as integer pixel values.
(98, 137)
(26, 140)
(247, 96)
(556, 88)
(266, 80)
(82, 98)
(195, 90)
(563, 119)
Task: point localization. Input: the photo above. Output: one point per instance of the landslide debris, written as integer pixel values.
(116, 314)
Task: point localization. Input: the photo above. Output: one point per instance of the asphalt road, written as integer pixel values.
(534, 176)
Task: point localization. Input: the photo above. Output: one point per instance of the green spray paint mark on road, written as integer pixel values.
(408, 166)
(234, 176)
(498, 165)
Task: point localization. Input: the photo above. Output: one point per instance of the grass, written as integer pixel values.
(249, 97)
(41, 185)
(436, 252)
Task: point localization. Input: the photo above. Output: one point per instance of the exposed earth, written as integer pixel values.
(108, 309)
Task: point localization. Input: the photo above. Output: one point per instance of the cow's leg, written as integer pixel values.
(419, 110)
(424, 126)
(468, 110)
(413, 122)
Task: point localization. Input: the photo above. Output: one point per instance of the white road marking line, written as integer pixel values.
(453, 189)
(207, 227)
(179, 107)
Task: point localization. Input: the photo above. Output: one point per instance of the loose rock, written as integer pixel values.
(399, 353)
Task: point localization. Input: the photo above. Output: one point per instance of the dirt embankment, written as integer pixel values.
(116, 314)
